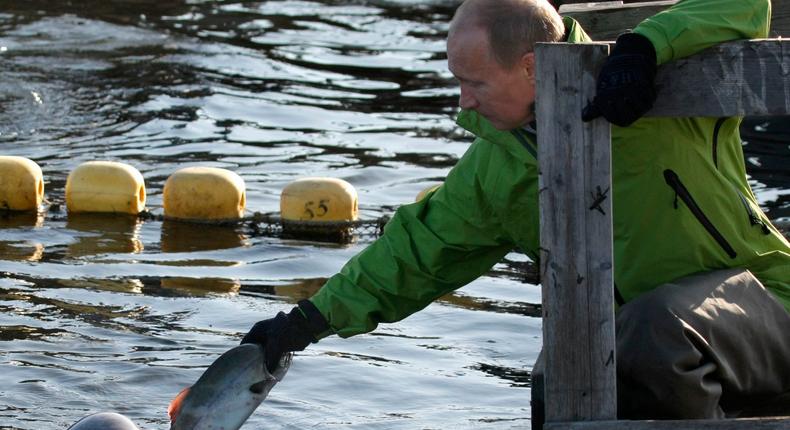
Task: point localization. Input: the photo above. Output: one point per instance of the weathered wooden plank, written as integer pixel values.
(777, 423)
(606, 20)
(732, 79)
(576, 236)
(780, 18)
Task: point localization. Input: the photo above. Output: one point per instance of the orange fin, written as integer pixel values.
(175, 406)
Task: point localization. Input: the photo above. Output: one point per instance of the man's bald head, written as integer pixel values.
(513, 26)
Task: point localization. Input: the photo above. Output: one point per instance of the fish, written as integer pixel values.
(104, 421)
(228, 392)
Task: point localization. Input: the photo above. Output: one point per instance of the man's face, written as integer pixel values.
(502, 95)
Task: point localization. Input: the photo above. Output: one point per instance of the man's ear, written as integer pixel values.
(527, 64)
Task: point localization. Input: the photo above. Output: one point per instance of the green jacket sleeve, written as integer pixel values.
(428, 249)
(693, 25)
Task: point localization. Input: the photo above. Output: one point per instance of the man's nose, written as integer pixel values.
(467, 100)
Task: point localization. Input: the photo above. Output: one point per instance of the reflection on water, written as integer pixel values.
(190, 237)
(519, 377)
(19, 332)
(21, 251)
(12, 219)
(767, 151)
(300, 290)
(113, 313)
(128, 286)
(484, 304)
(98, 233)
(17, 244)
(202, 286)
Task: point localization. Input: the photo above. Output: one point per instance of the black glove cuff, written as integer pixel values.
(309, 319)
(634, 44)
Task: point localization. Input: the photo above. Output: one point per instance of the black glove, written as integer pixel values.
(287, 332)
(625, 89)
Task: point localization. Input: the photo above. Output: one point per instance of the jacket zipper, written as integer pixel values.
(753, 218)
(716, 129)
(681, 191)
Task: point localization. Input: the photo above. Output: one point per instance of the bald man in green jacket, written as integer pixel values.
(702, 277)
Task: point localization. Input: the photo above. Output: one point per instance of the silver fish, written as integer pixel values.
(228, 392)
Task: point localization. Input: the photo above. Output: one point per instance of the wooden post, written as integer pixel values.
(576, 236)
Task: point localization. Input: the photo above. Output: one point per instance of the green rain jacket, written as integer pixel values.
(681, 199)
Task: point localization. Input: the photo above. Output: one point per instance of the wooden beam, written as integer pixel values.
(606, 20)
(576, 236)
(780, 18)
(778, 423)
(732, 79)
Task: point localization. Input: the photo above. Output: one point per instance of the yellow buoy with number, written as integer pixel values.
(105, 186)
(21, 184)
(319, 200)
(204, 193)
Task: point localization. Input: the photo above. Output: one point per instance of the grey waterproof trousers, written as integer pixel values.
(705, 346)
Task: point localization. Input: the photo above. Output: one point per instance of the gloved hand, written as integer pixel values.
(625, 89)
(287, 332)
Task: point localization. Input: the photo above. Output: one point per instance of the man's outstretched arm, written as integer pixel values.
(428, 249)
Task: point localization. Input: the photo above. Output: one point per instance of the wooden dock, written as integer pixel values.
(741, 78)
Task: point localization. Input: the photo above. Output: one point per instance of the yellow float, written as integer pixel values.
(319, 200)
(105, 186)
(21, 184)
(204, 193)
(424, 193)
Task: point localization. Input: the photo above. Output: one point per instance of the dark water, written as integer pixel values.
(107, 313)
